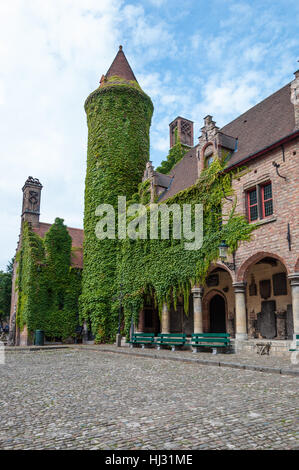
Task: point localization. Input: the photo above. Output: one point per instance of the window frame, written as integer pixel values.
(263, 200)
(252, 205)
(260, 198)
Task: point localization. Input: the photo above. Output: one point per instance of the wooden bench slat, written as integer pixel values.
(170, 342)
(142, 339)
(144, 334)
(169, 335)
(171, 339)
(210, 340)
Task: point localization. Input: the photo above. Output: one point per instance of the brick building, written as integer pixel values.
(31, 214)
(253, 294)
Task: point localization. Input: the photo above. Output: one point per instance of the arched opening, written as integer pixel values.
(217, 314)
(219, 283)
(268, 294)
(149, 321)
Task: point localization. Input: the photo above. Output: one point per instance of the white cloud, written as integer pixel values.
(52, 56)
(161, 144)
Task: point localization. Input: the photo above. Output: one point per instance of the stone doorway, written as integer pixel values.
(217, 314)
(149, 321)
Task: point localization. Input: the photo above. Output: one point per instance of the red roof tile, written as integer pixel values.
(121, 67)
(77, 235)
(261, 126)
(184, 174)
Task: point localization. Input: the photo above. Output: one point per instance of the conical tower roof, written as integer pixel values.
(121, 67)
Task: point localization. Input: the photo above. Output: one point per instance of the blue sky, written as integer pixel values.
(192, 57)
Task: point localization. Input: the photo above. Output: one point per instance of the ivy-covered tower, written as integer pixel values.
(118, 118)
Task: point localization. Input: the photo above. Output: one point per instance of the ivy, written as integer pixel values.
(48, 287)
(176, 153)
(143, 195)
(163, 269)
(118, 118)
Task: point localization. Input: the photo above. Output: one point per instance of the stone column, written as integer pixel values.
(294, 278)
(197, 308)
(241, 323)
(165, 320)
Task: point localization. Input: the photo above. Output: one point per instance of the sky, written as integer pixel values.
(192, 57)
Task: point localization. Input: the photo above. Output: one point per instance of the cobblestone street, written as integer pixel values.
(81, 399)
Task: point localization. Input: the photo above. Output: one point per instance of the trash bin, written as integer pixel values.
(39, 338)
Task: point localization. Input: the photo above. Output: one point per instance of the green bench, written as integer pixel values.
(210, 340)
(143, 339)
(296, 348)
(170, 339)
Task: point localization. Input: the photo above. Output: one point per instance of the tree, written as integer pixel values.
(5, 292)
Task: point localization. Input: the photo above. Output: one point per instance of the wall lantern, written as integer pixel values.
(223, 252)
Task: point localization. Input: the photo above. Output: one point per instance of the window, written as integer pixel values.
(259, 202)
(252, 205)
(267, 203)
(209, 160)
(208, 155)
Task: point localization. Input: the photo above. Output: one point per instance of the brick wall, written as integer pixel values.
(270, 238)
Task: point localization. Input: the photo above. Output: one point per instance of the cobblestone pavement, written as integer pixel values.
(82, 399)
(243, 357)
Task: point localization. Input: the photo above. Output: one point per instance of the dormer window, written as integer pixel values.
(209, 155)
(209, 160)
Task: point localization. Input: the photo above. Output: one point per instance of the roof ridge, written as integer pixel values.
(255, 106)
(67, 226)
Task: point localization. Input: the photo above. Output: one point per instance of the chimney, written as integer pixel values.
(181, 129)
(31, 201)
